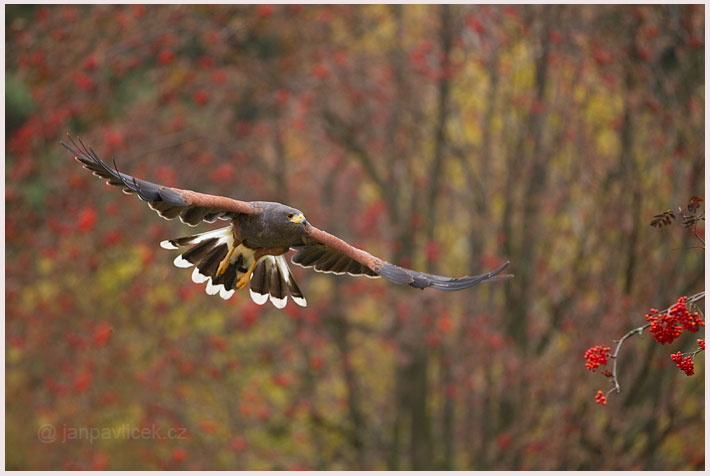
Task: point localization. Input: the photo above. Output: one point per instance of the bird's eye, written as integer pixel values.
(290, 215)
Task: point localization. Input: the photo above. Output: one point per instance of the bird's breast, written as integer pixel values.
(263, 234)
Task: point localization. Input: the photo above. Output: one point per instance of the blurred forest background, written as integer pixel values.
(446, 138)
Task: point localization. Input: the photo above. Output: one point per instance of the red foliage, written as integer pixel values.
(265, 11)
(250, 314)
(42, 14)
(218, 343)
(474, 24)
(82, 381)
(138, 10)
(320, 71)
(445, 324)
(166, 56)
(238, 444)
(432, 340)
(83, 81)
(201, 97)
(208, 426)
(696, 42)
(113, 138)
(504, 440)
(166, 175)
(222, 174)
(86, 219)
(102, 333)
(90, 63)
(218, 77)
(212, 37)
(282, 96)
(112, 237)
(242, 128)
(325, 15)
(100, 461)
(316, 362)
(432, 251)
(205, 62)
(186, 368)
(76, 182)
(602, 56)
(108, 398)
(281, 380)
(179, 455)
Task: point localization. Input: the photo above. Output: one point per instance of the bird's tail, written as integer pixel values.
(272, 279)
(223, 266)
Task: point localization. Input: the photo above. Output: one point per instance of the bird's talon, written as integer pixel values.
(224, 264)
(246, 276)
(222, 267)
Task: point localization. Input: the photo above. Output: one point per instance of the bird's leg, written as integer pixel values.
(246, 276)
(224, 264)
(258, 254)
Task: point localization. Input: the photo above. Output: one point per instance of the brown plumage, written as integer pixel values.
(251, 249)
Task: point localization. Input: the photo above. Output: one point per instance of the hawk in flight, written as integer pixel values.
(251, 249)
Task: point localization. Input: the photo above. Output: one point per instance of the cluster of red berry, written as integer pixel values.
(683, 363)
(596, 356)
(601, 399)
(666, 327)
(691, 322)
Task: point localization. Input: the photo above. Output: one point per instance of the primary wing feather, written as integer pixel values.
(191, 207)
(327, 253)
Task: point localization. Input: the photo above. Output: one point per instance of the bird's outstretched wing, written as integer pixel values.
(191, 207)
(329, 254)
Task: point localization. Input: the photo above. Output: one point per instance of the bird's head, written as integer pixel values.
(284, 218)
(294, 217)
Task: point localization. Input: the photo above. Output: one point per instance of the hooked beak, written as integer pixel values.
(298, 218)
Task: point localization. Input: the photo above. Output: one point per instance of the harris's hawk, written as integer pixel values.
(251, 249)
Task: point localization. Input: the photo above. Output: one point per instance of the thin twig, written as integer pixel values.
(692, 354)
(695, 232)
